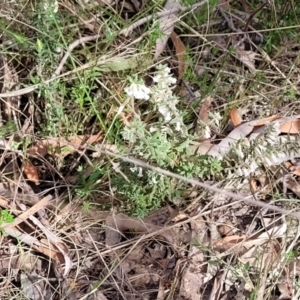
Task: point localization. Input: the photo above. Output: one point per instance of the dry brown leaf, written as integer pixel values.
(33, 289)
(235, 117)
(82, 141)
(225, 4)
(291, 168)
(253, 185)
(285, 290)
(31, 172)
(98, 295)
(32, 242)
(180, 52)
(202, 128)
(292, 184)
(38, 150)
(41, 148)
(202, 148)
(296, 171)
(243, 131)
(227, 242)
(73, 142)
(291, 127)
(264, 121)
(225, 229)
(246, 57)
(203, 114)
(258, 183)
(117, 223)
(258, 258)
(166, 24)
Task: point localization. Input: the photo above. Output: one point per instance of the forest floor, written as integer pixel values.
(149, 149)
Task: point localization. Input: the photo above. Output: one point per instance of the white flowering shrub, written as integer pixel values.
(165, 142)
(160, 95)
(267, 149)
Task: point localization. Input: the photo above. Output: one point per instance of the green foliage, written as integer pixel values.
(201, 166)
(169, 152)
(86, 206)
(86, 183)
(144, 190)
(166, 143)
(5, 217)
(8, 128)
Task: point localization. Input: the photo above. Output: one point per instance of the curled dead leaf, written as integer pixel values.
(235, 117)
(291, 127)
(38, 150)
(31, 172)
(41, 148)
(180, 52)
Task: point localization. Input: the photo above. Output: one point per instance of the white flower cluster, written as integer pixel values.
(160, 94)
(137, 90)
(51, 5)
(268, 149)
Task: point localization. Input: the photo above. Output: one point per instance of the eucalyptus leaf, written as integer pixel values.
(122, 63)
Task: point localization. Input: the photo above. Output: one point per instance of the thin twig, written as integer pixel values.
(70, 49)
(163, 13)
(228, 21)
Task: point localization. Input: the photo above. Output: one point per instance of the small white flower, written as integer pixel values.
(153, 179)
(166, 112)
(206, 132)
(164, 81)
(239, 151)
(55, 9)
(163, 77)
(178, 126)
(253, 166)
(140, 174)
(152, 129)
(138, 91)
(133, 169)
(53, 6)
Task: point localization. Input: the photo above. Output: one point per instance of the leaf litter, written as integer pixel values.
(202, 249)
